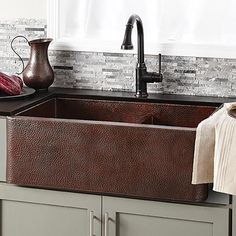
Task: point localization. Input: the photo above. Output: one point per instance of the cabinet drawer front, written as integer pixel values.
(134, 217)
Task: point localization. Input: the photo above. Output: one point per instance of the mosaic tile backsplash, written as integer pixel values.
(116, 71)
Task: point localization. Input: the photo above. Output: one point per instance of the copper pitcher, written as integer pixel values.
(38, 73)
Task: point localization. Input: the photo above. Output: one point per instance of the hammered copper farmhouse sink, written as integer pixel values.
(121, 148)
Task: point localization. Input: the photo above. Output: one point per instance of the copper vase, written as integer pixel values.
(38, 73)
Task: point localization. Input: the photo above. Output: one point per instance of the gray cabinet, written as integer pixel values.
(30, 211)
(27, 212)
(234, 217)
(3, 138)
(128, 217)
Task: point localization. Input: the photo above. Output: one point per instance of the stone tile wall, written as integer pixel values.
(115, 71)
(9, 62)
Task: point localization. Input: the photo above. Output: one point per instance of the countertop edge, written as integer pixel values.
(11, 107)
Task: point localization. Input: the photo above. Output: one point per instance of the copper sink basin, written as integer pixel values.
(133, 149)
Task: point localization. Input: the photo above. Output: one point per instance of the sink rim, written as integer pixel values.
(124, 123)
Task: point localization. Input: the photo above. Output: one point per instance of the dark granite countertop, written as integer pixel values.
(11, 107)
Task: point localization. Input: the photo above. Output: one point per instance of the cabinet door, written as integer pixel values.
(127, 217)
(27, 212)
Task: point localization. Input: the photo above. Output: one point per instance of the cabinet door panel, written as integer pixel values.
(28, 219)
(140, 225)
(137, 218)
(27, 212)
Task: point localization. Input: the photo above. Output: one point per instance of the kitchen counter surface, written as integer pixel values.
(11, 107)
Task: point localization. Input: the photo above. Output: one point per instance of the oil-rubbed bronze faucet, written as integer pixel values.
(142, 76)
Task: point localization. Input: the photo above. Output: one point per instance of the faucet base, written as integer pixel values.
(141, 94)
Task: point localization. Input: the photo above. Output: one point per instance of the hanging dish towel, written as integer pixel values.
(215, 150)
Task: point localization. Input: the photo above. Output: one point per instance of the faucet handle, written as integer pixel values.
(151, 77)
(159, 63)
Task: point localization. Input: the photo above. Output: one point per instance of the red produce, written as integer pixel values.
(18, 79)
(10, 84)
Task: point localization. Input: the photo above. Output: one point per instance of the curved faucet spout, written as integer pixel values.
(127, 42)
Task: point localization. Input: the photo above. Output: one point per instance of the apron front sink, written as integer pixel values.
(119, 148)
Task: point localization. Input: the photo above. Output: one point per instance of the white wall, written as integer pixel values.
(189, 28)
(13, 9)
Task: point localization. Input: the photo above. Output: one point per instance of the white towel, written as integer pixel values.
(215, 150)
